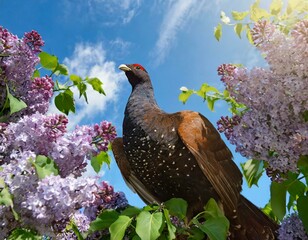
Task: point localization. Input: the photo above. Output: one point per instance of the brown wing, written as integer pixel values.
(133, 183)
(212, 155)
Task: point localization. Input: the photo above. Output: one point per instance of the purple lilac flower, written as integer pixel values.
(274, 128)
(34, 40)
(106, 198)
(226, 125)
(103, 134)
(292, 229)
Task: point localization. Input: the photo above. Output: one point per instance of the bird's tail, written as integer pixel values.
(251, 223)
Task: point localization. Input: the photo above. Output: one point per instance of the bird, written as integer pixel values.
(181, 155)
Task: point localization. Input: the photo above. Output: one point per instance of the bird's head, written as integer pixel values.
(135, 73)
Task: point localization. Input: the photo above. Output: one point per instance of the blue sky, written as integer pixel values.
(172, 39)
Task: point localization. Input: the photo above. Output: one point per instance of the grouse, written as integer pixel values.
(162, 156)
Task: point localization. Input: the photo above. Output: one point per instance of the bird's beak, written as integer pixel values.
(124, 68)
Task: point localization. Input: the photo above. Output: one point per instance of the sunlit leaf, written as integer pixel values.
(61, 69)
(252, 171)
(257, 13)
(96, 85)
(269, 211)
(48, 61)
(75, 79)
(118, 228)
(238, 29)
(248, 35)
(149, 225)
(278, 199)
(183, 97)
(275, 7)
(218, 31)
(238, 16)
(177, 207)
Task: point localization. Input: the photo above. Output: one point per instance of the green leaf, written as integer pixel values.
(196, 234)
(269, 211)
(72, 226)
(61, 69)
(257, 13)
(82, 90)
(238, 29)
(75, 79)
(248, 35)
(48, 61)
(131, 211)
(303, 166)
(275, 7)
(296, 188)
(305, 116)
(65, 102)
(215, 228)
(118, 228)
(45, 166)
(218, 31)
(212, 210)
(238, 16)
(96, 85)
(216, 225)
(6, 198)
(23, 234)
(302, 207)
(183, 97)
(278, 199)
(170, 226)
(15, 104)
(104, 220)
(224, 18)
(210, 102)
(252, 171)
(177, 207)
(97, 161)
(149, 226)
(36, 73)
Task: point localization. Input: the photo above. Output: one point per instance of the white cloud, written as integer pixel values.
(178, 14)
(90, 60)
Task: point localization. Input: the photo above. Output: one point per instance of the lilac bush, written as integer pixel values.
(274, 128)
(46, 196)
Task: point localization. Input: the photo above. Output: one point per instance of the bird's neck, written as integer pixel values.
(142, 101)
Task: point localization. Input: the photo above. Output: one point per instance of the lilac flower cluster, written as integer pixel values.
(274, 127)
(226, 125)
(45, 205)
(18, 58)
(34, 41)
(106, 198)
(292, 228)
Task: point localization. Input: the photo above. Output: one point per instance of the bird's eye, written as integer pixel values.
(138, 67)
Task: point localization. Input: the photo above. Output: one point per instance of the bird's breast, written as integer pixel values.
(161, 161)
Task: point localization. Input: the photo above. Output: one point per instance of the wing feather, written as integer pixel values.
(212, 155)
